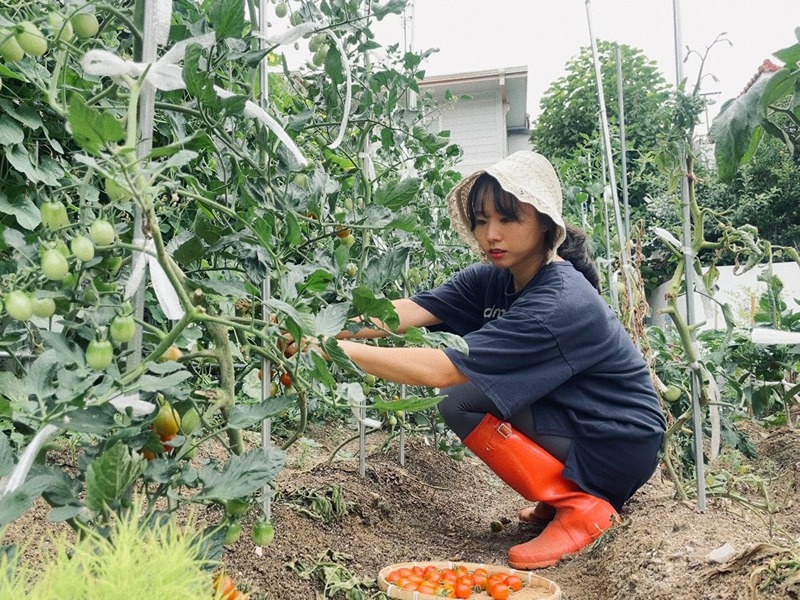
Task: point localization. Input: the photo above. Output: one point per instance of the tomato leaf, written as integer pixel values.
(242, 475)
(331, 319)
(386, 267)
(392, 7)
(365, 303)
(91, 419)
(23, 209)
(397, 194)
(10, 132)
(228, 18)
(409, 404)
(243, 416)
(737, 130)
(91, 128)
(6, 456)
(111, 474)
(15, 503)
(333, 67)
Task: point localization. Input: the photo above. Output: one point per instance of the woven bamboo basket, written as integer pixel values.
(535, 587)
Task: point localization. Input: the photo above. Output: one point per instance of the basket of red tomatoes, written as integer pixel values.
(437, 580)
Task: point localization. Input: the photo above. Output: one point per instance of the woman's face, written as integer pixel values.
(510, 233)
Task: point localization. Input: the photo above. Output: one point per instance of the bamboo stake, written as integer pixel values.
(266, 293)
(688, 273)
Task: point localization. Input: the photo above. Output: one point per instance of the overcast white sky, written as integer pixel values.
(474, 35)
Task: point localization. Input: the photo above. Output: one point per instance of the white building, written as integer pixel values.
(740, 292)
(488, 119)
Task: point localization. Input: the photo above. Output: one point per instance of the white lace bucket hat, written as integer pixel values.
(526, 175)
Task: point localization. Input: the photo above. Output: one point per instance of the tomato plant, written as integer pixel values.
(95, 221)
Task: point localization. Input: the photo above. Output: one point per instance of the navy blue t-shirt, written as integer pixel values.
(558, 348)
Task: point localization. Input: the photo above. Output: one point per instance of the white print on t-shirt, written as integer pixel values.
(493, 313)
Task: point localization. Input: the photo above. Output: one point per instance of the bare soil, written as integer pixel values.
(434, 508)
(335, 525)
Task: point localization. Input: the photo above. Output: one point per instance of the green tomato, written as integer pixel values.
(43, 307)
(351, 269)
(10, 50)
(102, 233)
(236, 507)
(672, 393)
(62, 248)
(319, 56)
(233, 533)
(85, 25)
(61, 27)
(281, 10)
(31, 39)
(190, 421)
(19, 305)
(370, 379)
(296, 19)
(122, 328)
(116, 192)
(99, 354)
(82, 247)
(54, 215)
(54, 265)
(348, 240)
(316, 41)
(263, 533)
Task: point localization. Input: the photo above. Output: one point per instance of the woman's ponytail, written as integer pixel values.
(576, 249)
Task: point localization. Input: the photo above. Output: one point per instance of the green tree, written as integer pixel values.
(569, 124)
(763, 192)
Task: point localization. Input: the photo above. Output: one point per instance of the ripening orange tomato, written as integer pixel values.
(499, 590)
(514, 582)
(463, 590)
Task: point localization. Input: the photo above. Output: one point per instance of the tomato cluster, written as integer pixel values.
(458, 582)
(225, 588)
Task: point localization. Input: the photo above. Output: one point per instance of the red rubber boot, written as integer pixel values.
(536, 475)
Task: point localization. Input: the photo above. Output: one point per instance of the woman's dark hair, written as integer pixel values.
(576, 248)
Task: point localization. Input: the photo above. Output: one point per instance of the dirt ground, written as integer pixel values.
(434, 508)
(337, 528)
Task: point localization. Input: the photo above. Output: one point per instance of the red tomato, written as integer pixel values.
(449, 576)
(286, 379)
(496, 578)
(393, 576)
(480, 580)
(447, 590)
(426, 587)
(499, 591)
(514, 582)
(224, 586)
(463, 590)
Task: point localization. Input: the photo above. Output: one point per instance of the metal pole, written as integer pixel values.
(266, 293)
(622, 144)
(146, 119)
(688, 259)
(606, 139)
